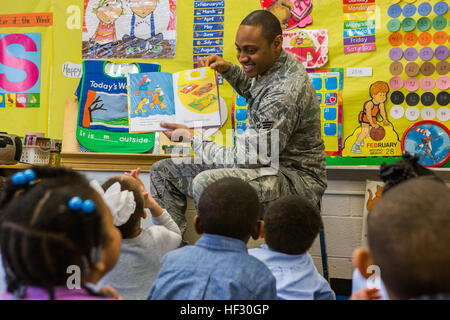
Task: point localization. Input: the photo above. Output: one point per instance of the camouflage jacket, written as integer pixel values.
(283, 108)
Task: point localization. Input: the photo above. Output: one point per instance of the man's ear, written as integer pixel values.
(277, 43)
(256, 232)
(362, 259)
(198, 225)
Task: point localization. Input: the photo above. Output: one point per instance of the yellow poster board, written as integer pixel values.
(61, 47)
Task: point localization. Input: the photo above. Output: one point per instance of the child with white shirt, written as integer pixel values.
(142, 249)
(291, 224)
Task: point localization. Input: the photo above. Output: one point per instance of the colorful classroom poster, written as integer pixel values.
(309, 46)
(418, 77)
(291, 13)
(239, 117)
(376, 134)
(20, 67)
(359, 26)
(329, 84)
(208, 30)
(129, 29)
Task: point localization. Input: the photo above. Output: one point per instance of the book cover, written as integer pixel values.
(189, 97)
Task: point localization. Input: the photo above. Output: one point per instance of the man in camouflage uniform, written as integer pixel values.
(283, 114)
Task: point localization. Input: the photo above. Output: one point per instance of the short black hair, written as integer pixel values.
(40, 236)
(408, 233)
(406, 168)
(229, 207)
(270, 25)
(128, 227)
(291, 224)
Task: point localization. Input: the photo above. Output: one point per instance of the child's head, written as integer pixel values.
(291, 224)
(406, 168)
(108, 11)
(377, 87)
(124, 204)
(42, 232)
(408, 232)
(143, 8)
(229, 207)
(378, 91)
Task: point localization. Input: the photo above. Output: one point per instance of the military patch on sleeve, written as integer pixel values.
(266, 125)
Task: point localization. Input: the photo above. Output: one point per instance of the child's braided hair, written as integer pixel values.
(40, 236)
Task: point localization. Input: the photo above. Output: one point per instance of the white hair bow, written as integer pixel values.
(121, 203)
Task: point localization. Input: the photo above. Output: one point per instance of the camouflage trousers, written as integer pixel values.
(171, 182)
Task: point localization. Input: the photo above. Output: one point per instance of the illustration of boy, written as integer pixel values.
(143, 24)
(157, 98)
(107, 11)
(368, 116)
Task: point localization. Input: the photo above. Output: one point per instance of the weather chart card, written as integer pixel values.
(359, 26)
(329, 84)
(189, 97)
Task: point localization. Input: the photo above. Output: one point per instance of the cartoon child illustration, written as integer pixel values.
(368, 116)
(425, 146)
(140, 106)
(157, 98)
(143, 85)
(143, 30)
(107, 12)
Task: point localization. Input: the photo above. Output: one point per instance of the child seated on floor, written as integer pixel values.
(218, 266)
(408, 240)
(291, 224)
(142, 249)
(57, 238)
(368, 285)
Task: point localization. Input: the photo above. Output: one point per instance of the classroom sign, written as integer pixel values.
(20, 67)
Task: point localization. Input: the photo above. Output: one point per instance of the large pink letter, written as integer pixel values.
(11, 61)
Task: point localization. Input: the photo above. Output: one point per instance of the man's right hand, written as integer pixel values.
(215, 62)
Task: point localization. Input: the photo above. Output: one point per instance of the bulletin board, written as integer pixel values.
(367, 40)
(26, 46)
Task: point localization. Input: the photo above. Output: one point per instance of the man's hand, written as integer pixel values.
(215, 62)
(178, 132)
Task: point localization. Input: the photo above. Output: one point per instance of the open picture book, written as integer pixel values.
(189, 97)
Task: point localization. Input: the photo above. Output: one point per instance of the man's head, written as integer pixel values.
(228, 207)
(259, 42)
(408, 231)
(291, 224)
